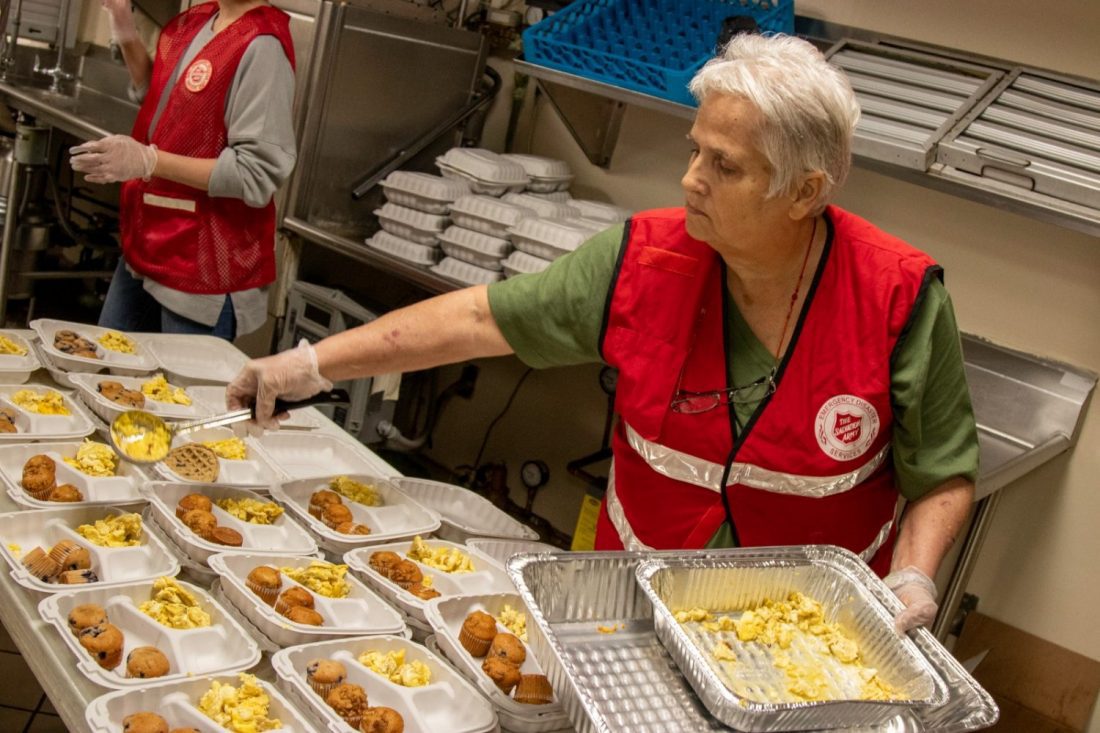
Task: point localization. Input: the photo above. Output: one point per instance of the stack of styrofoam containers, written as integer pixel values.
(415, 214)
(547, 239)
(547, 174)
(483, 170)
(478, 240)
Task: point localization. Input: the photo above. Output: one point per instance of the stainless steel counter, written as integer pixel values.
(87, 114)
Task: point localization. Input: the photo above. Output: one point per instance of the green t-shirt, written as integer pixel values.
(554, 317)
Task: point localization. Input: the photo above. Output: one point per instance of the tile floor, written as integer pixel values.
(23, 706)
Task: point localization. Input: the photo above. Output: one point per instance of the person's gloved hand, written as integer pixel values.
(291, 375)
(113, 159)
(917, 591)
(121, 18)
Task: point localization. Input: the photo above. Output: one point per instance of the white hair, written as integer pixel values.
(808, 108)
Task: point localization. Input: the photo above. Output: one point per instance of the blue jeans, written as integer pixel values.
(129, 308)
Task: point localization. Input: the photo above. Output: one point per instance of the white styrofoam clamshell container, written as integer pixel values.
(463, 513)
(521, 263)
(415, 226)
(600, 211)
(113, 565)
(543, 207)
(214, 395)
(59, 375)
(141, 362)
(548, 238)
(189, 569)
(465, 272)
(423, 191)
(254, 471)
(196, 359)
(177, 703)
(562, 197)
(446, 616)
(547, 174)
(501, 550)
(485, 171)
(221, 648)
(320, 455)
(487, 578)
(15, 369)
(403, 249)
(489, 215)
(474, 247)
(448, 703)
(88, 387)
(360, 613)
(283, 537)
(399, 516)
(35, 426)
(120, 489)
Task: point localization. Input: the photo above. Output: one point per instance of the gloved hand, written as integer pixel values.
(121, 18)
(114, 158)
(917, 591)
(291, 375)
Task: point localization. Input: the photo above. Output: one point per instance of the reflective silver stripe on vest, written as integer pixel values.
(707, 474)
(877, 543)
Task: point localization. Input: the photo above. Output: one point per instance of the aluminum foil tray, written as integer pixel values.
(751, 693)
(626, 681)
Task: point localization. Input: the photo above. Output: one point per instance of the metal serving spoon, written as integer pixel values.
(139, 428)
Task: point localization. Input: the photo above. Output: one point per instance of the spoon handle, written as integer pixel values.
(333, 396)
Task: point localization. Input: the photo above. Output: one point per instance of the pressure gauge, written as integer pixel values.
(534, 474)
(609, 377)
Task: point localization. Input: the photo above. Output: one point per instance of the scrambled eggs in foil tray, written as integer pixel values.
(159, 390)
(392, 666)
(321, 577)
(46, 402)
(10, 347)
(447, 559)
(120, 342)
(172, 605)
(358, 492)
(252, 510)
(121, 531)
(94, 459)
(241, 709)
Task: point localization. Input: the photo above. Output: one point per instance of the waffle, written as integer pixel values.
(193, 461)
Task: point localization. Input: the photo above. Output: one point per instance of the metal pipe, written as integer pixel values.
(462, 7)
(11, 226)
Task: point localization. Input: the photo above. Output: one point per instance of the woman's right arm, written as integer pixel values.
(124, 31)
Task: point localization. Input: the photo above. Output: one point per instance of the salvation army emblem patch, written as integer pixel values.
(846, 426)
(198, 75)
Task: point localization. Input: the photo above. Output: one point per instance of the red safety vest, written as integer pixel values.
(177, 235)
(812, 466)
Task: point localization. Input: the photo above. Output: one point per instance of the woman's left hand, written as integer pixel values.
(917, 591)
(114, 158)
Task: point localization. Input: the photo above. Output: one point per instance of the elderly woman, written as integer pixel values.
(788, 373)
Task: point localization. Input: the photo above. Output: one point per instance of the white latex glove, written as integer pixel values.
(291, 375)
(917, 591)
(114, 158)
(120, 16)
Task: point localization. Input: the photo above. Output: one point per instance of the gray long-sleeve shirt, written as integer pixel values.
(259, 158)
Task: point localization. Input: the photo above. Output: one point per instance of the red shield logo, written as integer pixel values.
(847, 427)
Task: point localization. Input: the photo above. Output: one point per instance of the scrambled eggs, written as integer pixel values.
(94, 459)
(513, 620)
(239, 709)
(358, 492)
(115, 341)
(392, 666)
(447, 559)
(723, 653)
(8, 346)
(131, 436)
(48, 402)
(121, 531)
(14, 548)
(231, 449)
(174, 606)
(252, 510)
(158, 389)
(321, 577)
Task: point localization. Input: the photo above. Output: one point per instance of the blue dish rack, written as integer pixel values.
(650, 46)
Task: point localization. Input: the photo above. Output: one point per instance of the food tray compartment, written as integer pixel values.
(600, 211)
(521, 263)
(423, 191)
(120, 489)
(194, 359)
(132, 365)
(320, 455)
(448, 703)
(446, 615)
(214, 395)
(177, 703)
(488, 215)
(222, 647)
(751, 694)
(403, 249)
(59, 375)
(463, 513)
(548, 238)
(543, 207)
(465, 273)
(415, 226)
(501, 550)
(547, 174)
(360, 613)
(283, 537)
(36, 426)
(487, 578)
(254, 471)
(474, 247)
(485, 171)
(20, 532)
(15, 368)
(651, 696)
(399, 515)
(88, 387)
